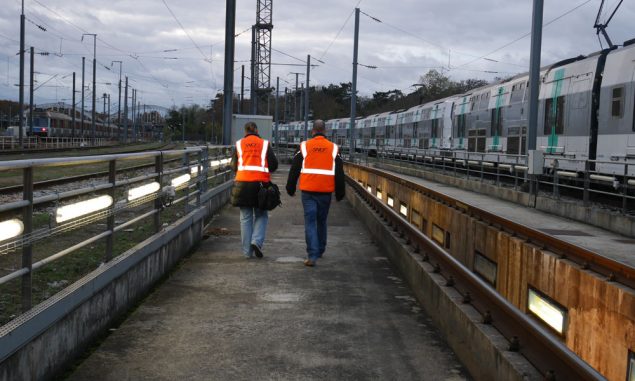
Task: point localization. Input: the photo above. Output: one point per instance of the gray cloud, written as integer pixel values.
(144, 36)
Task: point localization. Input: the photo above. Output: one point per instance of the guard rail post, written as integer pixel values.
(587, 183)
(556, 179)
(110, 221)
(498, 178)
(27, 249)
(466, 162)
(625, 189)
(158, 205)
(186, 165)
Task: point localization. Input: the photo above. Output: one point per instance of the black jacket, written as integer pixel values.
(296, 167)
(245, 193)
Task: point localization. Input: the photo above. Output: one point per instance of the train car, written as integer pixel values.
(341, 131)
(567, 131)
(460, 111)
(585, 114)
(436, 125)
(616, 120)
(377, 131)
(57, 123)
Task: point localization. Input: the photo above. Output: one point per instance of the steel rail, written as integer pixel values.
(550, 356)
(50, 150)
(65, 180)
(614, 271)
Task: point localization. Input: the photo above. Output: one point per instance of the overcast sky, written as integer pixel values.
(169, 68)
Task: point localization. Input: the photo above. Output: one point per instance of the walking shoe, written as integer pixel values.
(309, 263)
(257, 250)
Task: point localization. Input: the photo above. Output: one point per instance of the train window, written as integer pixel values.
(415, 218)
(617, 105)
(462, 125)
(554, 116)
(484, 101)
(435, 128)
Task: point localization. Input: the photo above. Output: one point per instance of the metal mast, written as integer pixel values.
(262, 69)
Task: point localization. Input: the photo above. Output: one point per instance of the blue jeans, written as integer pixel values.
(316, 210)
(253, 227)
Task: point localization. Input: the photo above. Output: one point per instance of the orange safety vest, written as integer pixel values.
(318, 166)
(252, 159)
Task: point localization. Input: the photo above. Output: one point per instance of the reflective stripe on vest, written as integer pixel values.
(314, 171)
(263, 156)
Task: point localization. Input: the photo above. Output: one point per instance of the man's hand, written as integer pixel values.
(290, 191)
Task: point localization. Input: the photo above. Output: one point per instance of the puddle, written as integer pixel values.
(289, 259)
(281, 297)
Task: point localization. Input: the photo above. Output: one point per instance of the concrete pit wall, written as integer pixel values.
(600, 322)
(43, 342)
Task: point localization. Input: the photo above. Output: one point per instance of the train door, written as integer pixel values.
(554, 115)
(630, 151)
(577, 130)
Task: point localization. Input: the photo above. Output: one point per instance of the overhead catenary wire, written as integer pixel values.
(525, 35)
(340, 30)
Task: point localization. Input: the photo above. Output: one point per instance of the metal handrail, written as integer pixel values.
(549, 355)
(29, 236)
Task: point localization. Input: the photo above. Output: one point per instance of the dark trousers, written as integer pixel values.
(316, 210)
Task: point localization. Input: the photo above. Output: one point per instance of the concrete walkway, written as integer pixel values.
(222, 317)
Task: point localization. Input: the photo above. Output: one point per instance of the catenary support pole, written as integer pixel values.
(277, 140)
(109, 121)
(252, 87)
(306, 98)
(119, 135)
(125, 113)
(242, 89)
(351, 139)
(83, 96)
(228, 88)
(534, 86)
(21, 91)
(31, 90)
(534, 73)
(73, 110)
(93, 126)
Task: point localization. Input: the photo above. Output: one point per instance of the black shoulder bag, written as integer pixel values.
(268, 196)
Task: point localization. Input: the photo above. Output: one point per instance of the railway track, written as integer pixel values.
(545, 349)
(613, 270)
(87, 176)
(53, 150)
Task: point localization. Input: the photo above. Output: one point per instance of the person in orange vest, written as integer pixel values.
(253, 161)
(320, 169)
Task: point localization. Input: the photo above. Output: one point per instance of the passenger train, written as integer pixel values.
(57, 122)
(586, 113)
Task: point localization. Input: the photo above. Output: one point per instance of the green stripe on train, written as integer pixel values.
(499, 103)
(552, 141)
